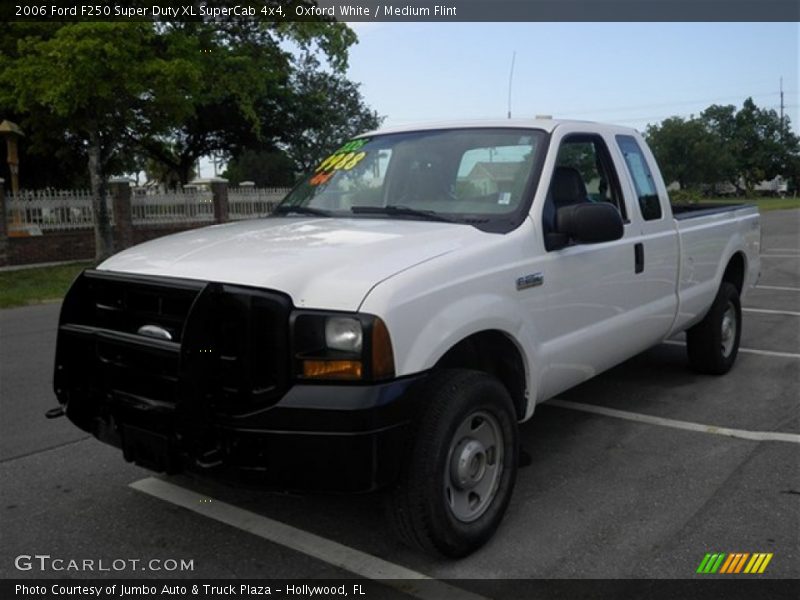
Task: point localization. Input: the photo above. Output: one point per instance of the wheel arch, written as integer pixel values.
(735, 270)
(496, 353)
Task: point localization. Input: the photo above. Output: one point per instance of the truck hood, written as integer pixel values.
(321, 263)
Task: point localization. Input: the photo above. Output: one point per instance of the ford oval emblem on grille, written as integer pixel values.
(154, 331)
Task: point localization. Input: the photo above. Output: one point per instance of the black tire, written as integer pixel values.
(711, 346)
(423, 507)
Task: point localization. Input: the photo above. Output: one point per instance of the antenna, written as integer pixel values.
(510, 79)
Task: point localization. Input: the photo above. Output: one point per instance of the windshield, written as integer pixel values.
(453, 175)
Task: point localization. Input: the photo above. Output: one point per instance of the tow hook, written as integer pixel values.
(210, 458)
(54, 413)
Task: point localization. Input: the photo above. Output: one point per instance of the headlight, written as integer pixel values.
(339, 346)
(343, 333)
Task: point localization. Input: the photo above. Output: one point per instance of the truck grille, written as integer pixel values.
(217, 347)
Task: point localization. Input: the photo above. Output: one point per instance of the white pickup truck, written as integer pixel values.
(405, 307)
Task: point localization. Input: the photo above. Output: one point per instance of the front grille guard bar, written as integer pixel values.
(198, 364)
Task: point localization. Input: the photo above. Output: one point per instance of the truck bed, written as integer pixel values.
(708, 235)
(689, 211)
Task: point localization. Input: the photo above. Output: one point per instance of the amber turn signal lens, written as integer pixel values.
(382, 355)
(332, 369)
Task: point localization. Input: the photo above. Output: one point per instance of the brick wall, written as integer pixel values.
(71, 245)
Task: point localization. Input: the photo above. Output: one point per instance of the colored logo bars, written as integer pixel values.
(735, 563)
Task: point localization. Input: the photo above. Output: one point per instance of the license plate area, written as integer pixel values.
(148, 449)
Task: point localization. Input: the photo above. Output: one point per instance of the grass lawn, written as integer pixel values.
(39, 284)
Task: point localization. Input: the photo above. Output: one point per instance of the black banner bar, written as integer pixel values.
(438, 11)
(706, 587)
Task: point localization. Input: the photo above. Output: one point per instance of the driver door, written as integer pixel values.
(590, 314)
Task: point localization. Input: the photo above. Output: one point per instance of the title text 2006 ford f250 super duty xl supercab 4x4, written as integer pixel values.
(404, 308)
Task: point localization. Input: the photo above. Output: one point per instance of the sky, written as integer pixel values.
(626, 73)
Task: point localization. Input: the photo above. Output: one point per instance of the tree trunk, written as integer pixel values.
(103, 238)
(185, 169)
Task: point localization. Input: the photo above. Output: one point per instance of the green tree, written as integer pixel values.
(766, 147)
(723, 144)
(267, 168)
(49, 157)
(168, 92)
(326, 110)
(685, 150)
(100, 80)
(242, 86)
(793, 174)
(720, 121)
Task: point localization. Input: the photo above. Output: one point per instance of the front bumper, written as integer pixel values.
(332, 438)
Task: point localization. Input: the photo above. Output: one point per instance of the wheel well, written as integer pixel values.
(494, 353)
(734, 272)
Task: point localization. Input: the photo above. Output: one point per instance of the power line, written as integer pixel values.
(661, 117)
(773, 106)
(678, 103)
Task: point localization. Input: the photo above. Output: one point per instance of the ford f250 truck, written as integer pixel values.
(406, 306)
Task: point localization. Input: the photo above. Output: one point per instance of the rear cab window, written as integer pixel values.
(642, 177)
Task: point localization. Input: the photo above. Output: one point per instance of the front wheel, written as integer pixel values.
(460, 474)
(713, 343)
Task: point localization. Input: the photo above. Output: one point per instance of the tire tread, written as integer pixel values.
(702, 340)
(406, 508)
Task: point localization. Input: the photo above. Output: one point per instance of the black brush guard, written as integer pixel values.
(217, 396)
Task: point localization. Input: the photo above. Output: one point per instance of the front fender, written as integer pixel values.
(419, 345)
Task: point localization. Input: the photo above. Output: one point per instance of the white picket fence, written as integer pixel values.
(250, 203)
(65, 210)
(170, 208)
(51, 210)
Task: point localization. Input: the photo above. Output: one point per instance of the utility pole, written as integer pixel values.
(782, 127)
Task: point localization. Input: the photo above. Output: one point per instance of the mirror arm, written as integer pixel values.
(555, 241)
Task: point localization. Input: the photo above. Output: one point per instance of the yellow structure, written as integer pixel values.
(11, 132)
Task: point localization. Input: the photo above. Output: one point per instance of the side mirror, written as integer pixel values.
(589, 222)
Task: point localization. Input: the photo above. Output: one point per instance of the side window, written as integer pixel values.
(588, 158)
(584, 172)
(642, 177)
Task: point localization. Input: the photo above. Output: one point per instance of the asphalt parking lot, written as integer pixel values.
(604, 496)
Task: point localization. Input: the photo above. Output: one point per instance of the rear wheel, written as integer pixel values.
(713, 343)
(460, 474)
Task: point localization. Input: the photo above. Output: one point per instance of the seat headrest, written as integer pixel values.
(567, 187)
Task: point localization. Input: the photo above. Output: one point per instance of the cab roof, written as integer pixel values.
(547, 125)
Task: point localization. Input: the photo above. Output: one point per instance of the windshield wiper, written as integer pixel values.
(430, 215)
(285, 209)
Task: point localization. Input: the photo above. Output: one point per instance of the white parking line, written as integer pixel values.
(747, 350)
(768, 311)
(333, 553)
(758, 436)
(780, 288)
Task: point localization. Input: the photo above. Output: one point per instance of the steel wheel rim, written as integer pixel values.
(728, 329)
(474, 466)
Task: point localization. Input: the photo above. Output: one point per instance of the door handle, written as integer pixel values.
(638, 251)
